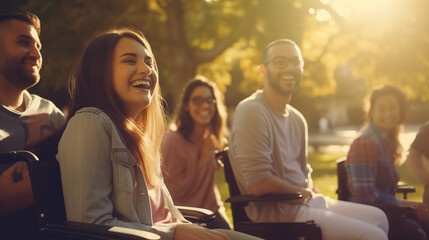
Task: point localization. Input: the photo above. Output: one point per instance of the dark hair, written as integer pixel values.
(27, 17)
(276, 42)
(91, 85)
(184, 121)
(369, 103)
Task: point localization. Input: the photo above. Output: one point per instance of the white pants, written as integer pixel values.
(344, 220)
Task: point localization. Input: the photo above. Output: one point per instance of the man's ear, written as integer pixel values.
(262, 69)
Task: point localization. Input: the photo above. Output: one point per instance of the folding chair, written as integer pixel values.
(267, 230)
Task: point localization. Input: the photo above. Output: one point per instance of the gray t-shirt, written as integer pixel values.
(20, 130)
(265, 142)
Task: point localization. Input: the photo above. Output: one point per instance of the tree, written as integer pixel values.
(386, 41)
(224, 40)
(184, 35)
(197, 33)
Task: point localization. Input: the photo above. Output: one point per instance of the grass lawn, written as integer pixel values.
(325, 178)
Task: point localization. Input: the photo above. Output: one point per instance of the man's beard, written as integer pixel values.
(274, 82)
(15, 73)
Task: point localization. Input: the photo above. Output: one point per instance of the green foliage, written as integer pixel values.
(381, 43)
(224, 39)
(66, 27)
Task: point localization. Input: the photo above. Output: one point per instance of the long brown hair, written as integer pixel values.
(393, 135)
(91, 85)
(184, 121)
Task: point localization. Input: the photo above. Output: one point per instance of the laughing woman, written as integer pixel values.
(189, 151)
(372, 159)
(109, 152)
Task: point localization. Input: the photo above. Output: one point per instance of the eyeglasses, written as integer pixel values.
(198, 101)
(283, 62)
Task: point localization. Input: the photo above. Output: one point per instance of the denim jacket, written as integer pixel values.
(102, 182)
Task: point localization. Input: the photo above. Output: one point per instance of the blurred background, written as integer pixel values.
(349, 46)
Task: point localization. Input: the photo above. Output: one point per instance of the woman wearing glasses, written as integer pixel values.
(188, 149)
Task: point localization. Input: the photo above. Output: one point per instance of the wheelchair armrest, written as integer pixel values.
(12, 157)
(265, 198)
(197, 215)
(398, 211)
(405, 189)
(78, 230)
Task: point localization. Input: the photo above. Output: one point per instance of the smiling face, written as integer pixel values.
(283, 68)
(385, 113)
(134, 75)
(201, 106)
(20, 57)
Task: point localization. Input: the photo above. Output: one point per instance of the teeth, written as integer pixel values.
(204, 113)
(141, 83)
(287, 77)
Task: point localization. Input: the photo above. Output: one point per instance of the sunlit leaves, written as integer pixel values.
(381, 41)
(318, 80)
(386, 39)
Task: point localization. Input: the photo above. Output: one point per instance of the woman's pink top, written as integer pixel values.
(160, 212)
(190, 183)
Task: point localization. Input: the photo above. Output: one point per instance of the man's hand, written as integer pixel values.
(15, 189)
(307, 194)
(275, 184)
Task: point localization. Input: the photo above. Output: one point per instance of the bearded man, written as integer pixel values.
(25, 119)
(268, 153)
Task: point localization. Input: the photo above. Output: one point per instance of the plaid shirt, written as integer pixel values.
(372, 176)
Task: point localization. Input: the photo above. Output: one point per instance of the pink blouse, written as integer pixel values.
(189, 182)
(160, 212)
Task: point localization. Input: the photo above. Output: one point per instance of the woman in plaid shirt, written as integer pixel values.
(370, 165)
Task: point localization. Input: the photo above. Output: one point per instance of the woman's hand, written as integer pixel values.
(188, 231)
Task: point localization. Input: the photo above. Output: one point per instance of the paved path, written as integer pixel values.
(339, 139)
